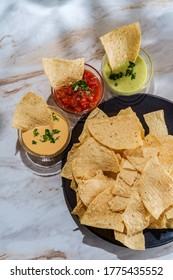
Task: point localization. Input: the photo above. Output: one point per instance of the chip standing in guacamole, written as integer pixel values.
(128, 78)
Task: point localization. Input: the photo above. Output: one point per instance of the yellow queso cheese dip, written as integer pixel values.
(47, 140)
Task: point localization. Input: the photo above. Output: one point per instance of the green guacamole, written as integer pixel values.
(127, 83)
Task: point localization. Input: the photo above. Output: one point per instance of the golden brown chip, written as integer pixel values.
(156, 123)
(125, 164)
(156, 188)
(118, 203)
(135, 241)
(89, 189)
(169, 212)
(63, 72)
(79, 209)
(99, 214)
(94, 116)
(159, 223)
(66, 171)
(121, 188)
(128, 176)
(166, 152)
(93, 157)
(73, 185)
(122, 44)
(135, 216)
(119, 132)
(32, 111)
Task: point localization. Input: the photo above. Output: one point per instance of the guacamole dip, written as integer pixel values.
(128, 78)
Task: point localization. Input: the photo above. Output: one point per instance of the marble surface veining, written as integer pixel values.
(34, 220)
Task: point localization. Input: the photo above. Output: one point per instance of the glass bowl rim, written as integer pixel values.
(148, 80)
(102, 91)
(59, 152)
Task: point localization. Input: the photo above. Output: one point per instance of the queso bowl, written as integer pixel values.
(142, 88)
(44, 156)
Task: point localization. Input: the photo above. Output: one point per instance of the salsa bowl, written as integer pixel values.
(83, 96)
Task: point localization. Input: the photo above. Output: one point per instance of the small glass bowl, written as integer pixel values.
(101, 95)
(45, 165)
(144, 87)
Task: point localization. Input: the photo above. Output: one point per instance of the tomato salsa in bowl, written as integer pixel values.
(82, 96)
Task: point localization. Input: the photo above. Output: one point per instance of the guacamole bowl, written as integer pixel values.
(131, 78)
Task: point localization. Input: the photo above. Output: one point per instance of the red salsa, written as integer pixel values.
(81, 96)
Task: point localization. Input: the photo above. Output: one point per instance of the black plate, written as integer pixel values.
(141, 104)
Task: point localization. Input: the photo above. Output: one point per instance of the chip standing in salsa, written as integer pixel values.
(82, 96)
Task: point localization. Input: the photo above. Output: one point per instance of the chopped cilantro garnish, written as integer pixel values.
(55, 131)
(129, 72)
(81, 84)
(49, 136)
(35, 131)
(55, 118)
(34, 142)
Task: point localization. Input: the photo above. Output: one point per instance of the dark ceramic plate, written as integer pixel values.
(141, 104)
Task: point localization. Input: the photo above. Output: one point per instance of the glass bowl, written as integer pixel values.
(141, 88)
(46, 164)
(77, 107)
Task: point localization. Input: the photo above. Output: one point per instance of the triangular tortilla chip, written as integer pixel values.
(135, 216)
(135, 241)
(32, 111)
(99, 214)
(156, 123)
(63, 72)
(89, 189)
(156, 188)
(93, 156)
(118, 132)
(122, 44)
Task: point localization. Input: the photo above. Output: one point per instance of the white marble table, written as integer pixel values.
(34, 220)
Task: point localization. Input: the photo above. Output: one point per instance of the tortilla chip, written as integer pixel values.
(32, 111)
(121, 188)
(156, 188)
(160, 223)
(166, 152)
(135, 216)
(135, 242)
(73, 185)
(62, 72)
(94, 116)
(169, 224)
(125, 164)
(122, 44)
(156, 123)
(93, 157)
(89, 189)
(119, 132)
(79, 209)
(98, 213)
(128, 176)
(118, 203)
(66, 171)
(169, 212)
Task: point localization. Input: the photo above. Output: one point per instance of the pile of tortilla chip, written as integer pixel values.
(123, 179)
(122, 44)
